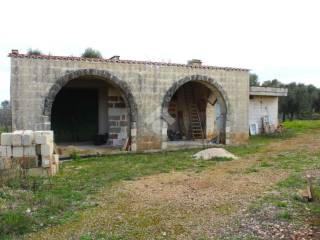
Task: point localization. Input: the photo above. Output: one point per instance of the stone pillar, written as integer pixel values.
(103, 113)
(164, 144)
(133, 136)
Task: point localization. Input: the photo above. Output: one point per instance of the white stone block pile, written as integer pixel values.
(32, 149)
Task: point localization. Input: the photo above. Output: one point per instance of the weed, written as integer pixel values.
(75, 155)
(293, 181)
(285, 215)
(281, 204)
(221, 159)
(251, 169)
(14, 222)
(265, 164)
(86, 237)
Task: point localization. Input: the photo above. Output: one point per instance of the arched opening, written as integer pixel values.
(196, 111)
(92, 109)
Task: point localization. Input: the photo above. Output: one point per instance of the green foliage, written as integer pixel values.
(254, 80)
(285, 215)
(14, 222)
(91, 53)
(272, 83)
(302, 126)
(34, 52)
(75, 155)
(281, 204)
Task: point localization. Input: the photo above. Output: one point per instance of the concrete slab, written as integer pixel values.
(17, 138)
(47, 149)
(27, 138)
(17, 152)
(43, 137)
(6, 139)
(29, 151)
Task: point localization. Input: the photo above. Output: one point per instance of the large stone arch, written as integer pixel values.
(211, 83)
(103, 75)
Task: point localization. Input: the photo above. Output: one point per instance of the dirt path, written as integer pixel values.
(181, 205)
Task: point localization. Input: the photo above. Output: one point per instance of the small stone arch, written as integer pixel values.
(207, 81)
(103, 75)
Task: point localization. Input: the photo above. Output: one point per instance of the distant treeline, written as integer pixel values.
(302, 102)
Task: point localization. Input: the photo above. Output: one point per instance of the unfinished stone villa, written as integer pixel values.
(144, 105)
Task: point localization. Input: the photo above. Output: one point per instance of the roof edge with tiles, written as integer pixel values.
(16, 54)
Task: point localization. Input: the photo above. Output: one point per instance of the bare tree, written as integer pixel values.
(5, 116)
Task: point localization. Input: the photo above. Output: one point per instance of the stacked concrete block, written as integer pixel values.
(28, 138)
(6, 139)
(17, 138)
(33, 150)
(17, 151)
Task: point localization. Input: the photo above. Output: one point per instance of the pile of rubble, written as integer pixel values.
(31, 151)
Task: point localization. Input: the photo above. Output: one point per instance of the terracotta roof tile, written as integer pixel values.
(69, 58)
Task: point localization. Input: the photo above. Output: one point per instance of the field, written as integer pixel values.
(170, 195)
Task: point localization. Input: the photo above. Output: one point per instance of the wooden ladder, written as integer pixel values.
(196, 126)
(194, 117)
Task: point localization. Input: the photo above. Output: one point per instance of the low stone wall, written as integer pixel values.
(28, 152)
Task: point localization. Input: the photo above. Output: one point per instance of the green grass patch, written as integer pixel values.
(302, 126)
(57, 200)
(221, 159)
(258, 143)
(284, 215)
(14, 222)
(297, 160)
(265, 164)
(281, 204)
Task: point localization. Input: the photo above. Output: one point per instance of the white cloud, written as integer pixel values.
(264, 36)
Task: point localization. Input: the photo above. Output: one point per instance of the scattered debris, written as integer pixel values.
(306, 194)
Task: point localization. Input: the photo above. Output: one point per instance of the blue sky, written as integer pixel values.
(275, 39)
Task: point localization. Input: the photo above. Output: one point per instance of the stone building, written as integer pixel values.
(148, 104)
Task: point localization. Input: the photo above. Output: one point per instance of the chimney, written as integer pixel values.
(116, 57)
(194, 63)
(14, 52)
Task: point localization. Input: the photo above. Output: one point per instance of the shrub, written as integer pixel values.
(34, 52)
(91, 53)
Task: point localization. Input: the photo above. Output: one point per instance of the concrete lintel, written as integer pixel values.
(268, 91)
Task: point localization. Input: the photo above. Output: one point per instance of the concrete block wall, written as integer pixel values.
(34, 79)
(30, 151)
(261, 106)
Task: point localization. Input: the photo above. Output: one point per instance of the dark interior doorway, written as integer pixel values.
(75, 115)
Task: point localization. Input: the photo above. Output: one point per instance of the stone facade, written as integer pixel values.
(147, 88)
